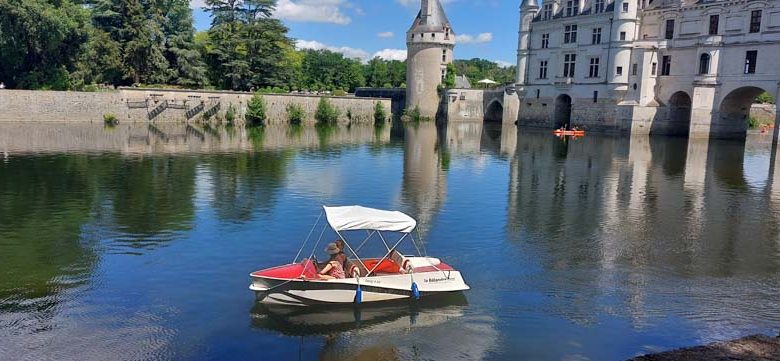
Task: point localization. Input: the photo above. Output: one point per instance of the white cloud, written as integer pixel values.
(504, 64)
(347, 51)
(471, 39)
(386, 34)
(353, 53)
(391, 54)
(315, 11)
(319, 11)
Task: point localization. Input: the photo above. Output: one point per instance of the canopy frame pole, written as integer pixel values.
(295, 260)
(370, 233)
(385, 242)
(386, 255)
(350, 248)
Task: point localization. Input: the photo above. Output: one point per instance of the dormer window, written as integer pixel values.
(547, 13)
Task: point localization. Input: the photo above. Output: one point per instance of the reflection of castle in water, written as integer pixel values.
(428, 151)
(626, 206)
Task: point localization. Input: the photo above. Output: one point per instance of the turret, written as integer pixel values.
(528, 11)
(429, 43)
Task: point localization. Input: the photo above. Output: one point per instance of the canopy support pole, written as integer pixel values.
(295, 260)
(388, 253)
(370, 233)
(350, 249)
(385, 242)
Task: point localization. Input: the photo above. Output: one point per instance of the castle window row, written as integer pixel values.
(671, 29)
(570, 64)
(571, 8)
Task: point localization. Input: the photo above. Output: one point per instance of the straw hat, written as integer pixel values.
(332, 249)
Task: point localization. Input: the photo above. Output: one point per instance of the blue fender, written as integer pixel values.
(415, 291)
(358, 295)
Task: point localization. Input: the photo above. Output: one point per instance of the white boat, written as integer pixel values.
(392, 277)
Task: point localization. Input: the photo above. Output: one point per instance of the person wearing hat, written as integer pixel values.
(334, 269)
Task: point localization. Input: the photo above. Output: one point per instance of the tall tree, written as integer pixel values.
(40, 42)
(136, 26)
(246, 47)
(186, 64)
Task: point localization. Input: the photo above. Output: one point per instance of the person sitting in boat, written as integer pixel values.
(334, 269)
(342, 257)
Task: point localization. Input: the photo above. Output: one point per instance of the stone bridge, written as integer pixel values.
(490, 105)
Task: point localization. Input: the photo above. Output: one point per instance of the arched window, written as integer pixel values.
(704, 64)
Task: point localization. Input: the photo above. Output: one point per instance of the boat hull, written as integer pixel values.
(300, 292)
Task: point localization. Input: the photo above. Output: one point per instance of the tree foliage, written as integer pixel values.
(76, 44)
(477, 69)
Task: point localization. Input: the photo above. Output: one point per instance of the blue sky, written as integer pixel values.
(367, 28)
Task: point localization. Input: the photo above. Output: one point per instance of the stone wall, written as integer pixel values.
(764, 113)
(131, 104)
(396, 95)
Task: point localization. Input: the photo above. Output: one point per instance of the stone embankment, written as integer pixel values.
(135, 104)
(751, 348)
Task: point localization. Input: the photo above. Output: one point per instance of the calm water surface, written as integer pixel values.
(136, 242)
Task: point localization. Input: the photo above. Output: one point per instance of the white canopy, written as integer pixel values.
(361, 218)
(486, 81)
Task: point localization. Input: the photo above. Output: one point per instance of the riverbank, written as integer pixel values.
(139, 104)
(750, 348)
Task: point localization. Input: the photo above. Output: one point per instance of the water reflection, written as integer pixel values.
(429, 329)
(647, 242)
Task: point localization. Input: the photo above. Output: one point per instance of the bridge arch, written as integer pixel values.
(680, 104)
(494, 112)
(563, 111)
(733, 112)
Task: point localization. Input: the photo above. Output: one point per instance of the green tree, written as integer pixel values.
(247, 48)
(256, 111)
(477, 69)
(40, 42)
(377, 73)
(181, 51)
(136, 27)
(327, 70)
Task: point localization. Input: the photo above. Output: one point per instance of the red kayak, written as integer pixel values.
(576, 133)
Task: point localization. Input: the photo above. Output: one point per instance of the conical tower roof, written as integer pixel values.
(431, 18)
(529, 4)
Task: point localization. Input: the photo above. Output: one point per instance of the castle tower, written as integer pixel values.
(429, 44)
(528, 11)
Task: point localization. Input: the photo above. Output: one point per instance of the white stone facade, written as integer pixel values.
(430, 43)
(662, 67)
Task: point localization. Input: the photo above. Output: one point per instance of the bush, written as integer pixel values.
(380, 114)
(765, 98)
(110, 119)
(295, 113)
(414, 115)
(230, 114)
(326, 113)
(339, 93)
(256, 111)
(753, 123)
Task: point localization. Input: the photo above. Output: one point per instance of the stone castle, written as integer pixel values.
(674, 67)
(677, 67)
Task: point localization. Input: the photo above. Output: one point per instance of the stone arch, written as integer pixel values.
(679, 104)
(733, 113)
(562, 111)
(494, 112)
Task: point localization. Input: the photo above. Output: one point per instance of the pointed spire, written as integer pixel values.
(529, 4)
(431, 17)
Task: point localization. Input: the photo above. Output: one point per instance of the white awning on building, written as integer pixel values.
(361, 218)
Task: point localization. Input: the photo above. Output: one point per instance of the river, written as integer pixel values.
(136, 242)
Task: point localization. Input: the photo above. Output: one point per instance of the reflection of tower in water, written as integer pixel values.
(425, 180)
